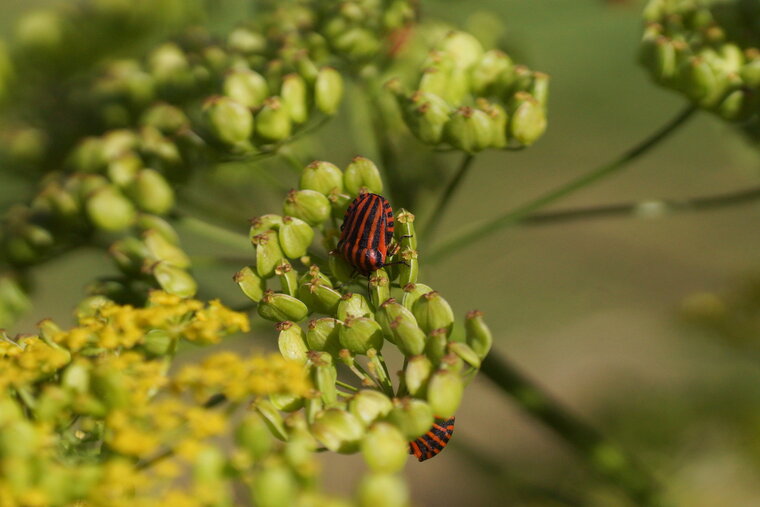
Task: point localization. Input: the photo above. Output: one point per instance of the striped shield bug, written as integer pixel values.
(367, 233)
(433, 442)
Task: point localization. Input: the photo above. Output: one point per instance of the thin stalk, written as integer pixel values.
(516, 215)
(215, 233)
(435, 218)
(602, 455)
(346, 386)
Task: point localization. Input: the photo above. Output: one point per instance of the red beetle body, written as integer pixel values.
(434, 441)
(367, 233)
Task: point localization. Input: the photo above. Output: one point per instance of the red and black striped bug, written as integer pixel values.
(367, 233)
(433, 442)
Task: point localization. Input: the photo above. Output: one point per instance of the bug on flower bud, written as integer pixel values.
(433, 442)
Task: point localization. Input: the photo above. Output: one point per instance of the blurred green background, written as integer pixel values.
(590, 309)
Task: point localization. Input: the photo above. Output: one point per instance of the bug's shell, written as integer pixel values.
(433, 442)
(366, 233)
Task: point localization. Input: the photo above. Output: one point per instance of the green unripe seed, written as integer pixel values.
(251, 283)
(328, 90)
(323, 335)
(412, 416)
(338, 430)
(382, 490)
(362, 175)
(229, 121)
(308, 205)
(322, 177)
(160, 249)
(478, 335)
(527, 121)
(444, 393)
(109, 210)
(268, 253)
(353, 305)
(294, 98)
(469, 130)
(369, 405)
(273, 121)
(384, 448)
(319, 297)
(174, 280)
(361, 334)
(262, 224)
(288, 278)
(246, 87)
(274, 486)
(465, 353)
(433, 312)
(280, 307)
(253, 436)
(295, 237)
(416, 374)
(292, 341)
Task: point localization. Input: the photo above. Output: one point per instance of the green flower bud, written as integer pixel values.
(437, 77)
(324, 375)
(108, 209)
(294, 98)
(268, 253)
(338, 430)
(230, 122)
(292, 341)
(384, 448)
(410, 269)
(353, 305)
(437, 345)
(412, 292)
(465, 353)
(697, 78)
(445, 393)
(312, 408)
(162, 250)
(465, 48)
(286, 402)
(490, 72)
(174, 280)
(319, 297)
(262, 224)
(469, 130)
(416, 374)
(400, 327)
(451, 362)
(306, 67)
(368, 405)
(60, 202)
(88, 155)
(498, 117)
(322, 177)
(308, 205)
(739, 105)
(358, 335)
(157, 343)
(288, 278)
(339, 268)
(323, 335)
(123, 169)
(250, 283)
(146, 222)
(426, 115)
(750, 71)
(328, 90)
(404, 230)
(246, 87)
(412, 416)
(523, 79)
(208, 465)
(166, 118)
(381, 490)
(433, 312)
(527, 121)
(272, 418)
(664, 62)
(358, 43)
(379, 287)
(274, 486)
(273, 121)
(246, 41)
(478, 335)
(253, 435)
(313, 274)
(362, 175)
(295, 237)
(539, 88)
(281, 307)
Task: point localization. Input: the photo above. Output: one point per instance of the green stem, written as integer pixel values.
(515, 216)
(346, 386)
(215, 233)
(436, 217)
(605, 457)
(651, 208)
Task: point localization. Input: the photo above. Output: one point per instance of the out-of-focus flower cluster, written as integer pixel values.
(471, 99)
(709, 51)
(354, 324)
(90, 414)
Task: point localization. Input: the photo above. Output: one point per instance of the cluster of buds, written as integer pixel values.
(471, 99)
(337, 325)
(709, 52)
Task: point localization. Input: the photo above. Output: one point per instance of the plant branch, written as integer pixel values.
(435, 218)
(518, 214)
(605, 457)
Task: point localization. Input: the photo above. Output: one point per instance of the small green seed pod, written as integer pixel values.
(527, 121)
(328, 90)
(253, 436)
(324, 375)
(168, 119)
(433, 312)
(295, 237)
(288, 278)
(384, 448)
(404, 230)
(750, 71)
(339, 268)
(272, 418)
(319, 297)
(664, 62)
(379, 287)
(110, 387)
(353, 305)
(274, 486)
(444, 393)
(368, 405)
(146, 222)
(489, 74)
(161, 249)
(273, 121)
(308, 205)
(409, 270)
(416, 374)
(262, 224)
(109, 210)
(250, 283)
(478, 335)
(174, 280)
(400, 327)
(499, 119)
(123, 169)
(412, 292)
(322, 177)
(384, 490)
(464, 47)
(280, 307)
(469, 130)
(246, 87)
(539, 88)
(208, 466)
(294, 98)
(426, 114)
(129, 253)
(313, 274)
(339, 203)
(412, 416)
(358, 335)
(158, 343)
(697, 78)
(436, 345)
(286, 402)
(465, 353)
(292, 341)
(230, 122)
(323, 335)
(362, 175)
(268, 253)
(338, 430)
